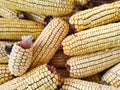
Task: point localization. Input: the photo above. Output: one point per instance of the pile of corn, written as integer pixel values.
(59, 45)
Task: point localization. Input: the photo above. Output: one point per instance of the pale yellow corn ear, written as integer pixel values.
(8, 13)
(92, 40)
(77, 84)
(59, 59)
(36, 17)
(63, 73)
(40, 78)
(46, 7)
(5, 74)
(97, 16)
(93, 63)
(49, 41)
(21, 56)
(82, 2)
(4, 58)
(112, 76)
(14, 29)
(95, 78)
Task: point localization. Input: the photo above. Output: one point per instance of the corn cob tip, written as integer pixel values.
(8, 49)
(105, 83)
(26, 42)
(52, 69)
(72, 27)
(67, 67)
(48, 19)
(21, 15)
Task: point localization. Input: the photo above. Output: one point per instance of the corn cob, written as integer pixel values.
(40, 78)
(76, 84)
(5, 74)
(46, 7)
(49, 41)
(95, 78)
(4, 58)
(112, 76)
(20, 56)
(91, 40)
(97, 16)
(63, 73)
(93, 63)
(8, 13)
(36, 17)
(59, 59)
(82, 2)
(14, 29)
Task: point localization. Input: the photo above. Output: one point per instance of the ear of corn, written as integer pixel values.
(4, 58)
(14, 29)
(40, 78)
(82, 2)
(46, 7)
(112, 76)
(59, 59)
(91, 40)
(97, 16)
(63, 73)
(49, 41)
(5, 74)
(76, 84)
(36, 17)
(8, 13)
(90, 64)
(95, 78)
(20, 60)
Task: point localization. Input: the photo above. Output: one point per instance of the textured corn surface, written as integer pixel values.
(5, 74)
(39, 78)
(63, 73)
(49, 41)
(14, 29)
(46, 7)
(36, 17)
(97, 16)
(90, 64)
(8, 13)
(4, 58)
(91, 40)
(82, 2)
(112, 76)
(59, 59)
(95, 78)
(20, 60)
(76, 84)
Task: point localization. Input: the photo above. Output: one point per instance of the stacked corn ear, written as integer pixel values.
(63, 73)
(93, 63)
(95, 78)
(49, 41)
(5, 74)
(20, 57)
(8, 13)
(46, 7)
(36, 17)
(97, 16)
(82, 2)
(76, 84)
(5, 49)
(112, 76)
(14, 29)
(92, 40)
(41, 78)
(59, 59)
